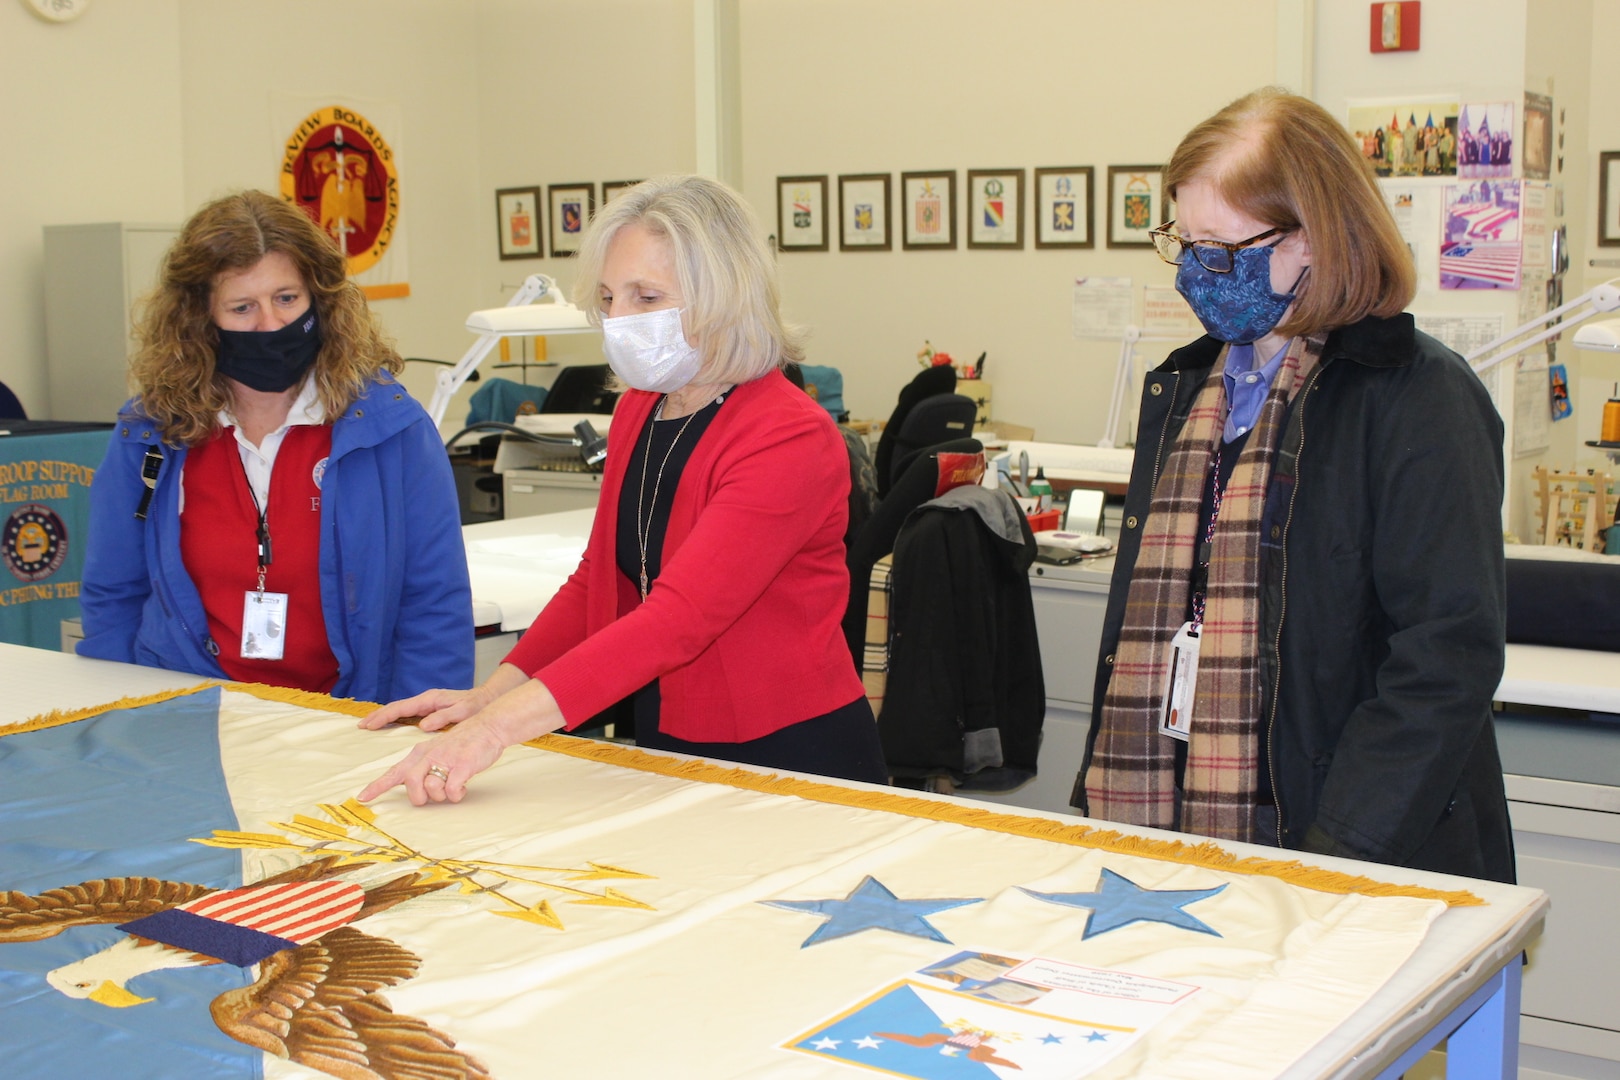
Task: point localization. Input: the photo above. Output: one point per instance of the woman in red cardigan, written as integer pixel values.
(711, 591)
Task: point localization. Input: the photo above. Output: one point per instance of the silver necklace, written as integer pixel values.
(644, 532)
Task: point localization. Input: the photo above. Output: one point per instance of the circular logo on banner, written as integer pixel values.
(338, 170)
(35, 542)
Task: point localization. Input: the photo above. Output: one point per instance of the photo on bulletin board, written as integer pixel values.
(863, 212)
(1063, 207)
(571, 207)
(1481, 242)
(611, 188)
(801, 213)
(1407, 137)
(1485, 140)
(1609, 198)
(1538, 136)
(1136, 204)
(517, 214)
(928, 210)
(995, 208)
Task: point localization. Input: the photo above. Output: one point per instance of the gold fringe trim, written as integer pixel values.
(1206, 853)
(286, 695)
(59, 717)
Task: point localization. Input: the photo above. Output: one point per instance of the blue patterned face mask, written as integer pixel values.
(1237, 306)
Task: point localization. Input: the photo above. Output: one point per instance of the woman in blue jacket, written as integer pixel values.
(273, 506)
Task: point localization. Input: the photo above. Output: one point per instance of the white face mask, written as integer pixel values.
(649, 351)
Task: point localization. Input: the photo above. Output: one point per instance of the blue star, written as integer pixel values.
(1096, 1036)
(1121, 902)
(1051, 1039)
(870, 906)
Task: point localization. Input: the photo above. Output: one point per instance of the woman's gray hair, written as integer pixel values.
(727, 274)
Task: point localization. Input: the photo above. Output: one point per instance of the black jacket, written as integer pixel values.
(1382, 599)
(964, 695)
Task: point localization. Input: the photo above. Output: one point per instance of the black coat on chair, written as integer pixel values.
(928, 383)
(10, 407)
(876, 538)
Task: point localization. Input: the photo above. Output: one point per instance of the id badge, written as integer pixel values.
(264, 625)
(1182, 686)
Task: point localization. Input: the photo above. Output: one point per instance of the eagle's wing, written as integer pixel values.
(109, 900)
(318, 1005)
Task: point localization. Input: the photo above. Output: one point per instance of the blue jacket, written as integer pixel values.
(393, 571)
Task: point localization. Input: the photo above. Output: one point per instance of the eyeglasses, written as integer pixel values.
(1216, 256)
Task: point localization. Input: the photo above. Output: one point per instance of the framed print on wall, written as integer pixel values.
(611, 188)
(928, 210)
(995, 208)
(517, 214)
(571, 208)
(801, 213)
(863, 212)
(1609, 198)
(1063, 207)
(1135, 204)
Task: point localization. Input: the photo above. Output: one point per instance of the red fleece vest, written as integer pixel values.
(219, 545)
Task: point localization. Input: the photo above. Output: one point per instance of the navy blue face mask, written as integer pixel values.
(270, 360)
(1237, 306)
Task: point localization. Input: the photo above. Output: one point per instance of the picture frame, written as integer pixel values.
(863, 212)
(570, 206)
(1136, 204)
(611, 188)
(517, 223)
(995, 209)
(1064, 207)
(928, 210)
(801, 213)
(1609, 199)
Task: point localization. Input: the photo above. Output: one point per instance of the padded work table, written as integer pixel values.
(1462, 980)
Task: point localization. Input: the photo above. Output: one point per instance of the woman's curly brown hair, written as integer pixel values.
(173, 372)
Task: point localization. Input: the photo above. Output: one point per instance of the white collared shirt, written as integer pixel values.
(258, 461)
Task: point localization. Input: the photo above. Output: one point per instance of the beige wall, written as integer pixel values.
(846, 86)
(90, 118)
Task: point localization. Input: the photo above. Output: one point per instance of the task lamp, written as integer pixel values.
(1123, 370)
(1605, 297)
(520, 317)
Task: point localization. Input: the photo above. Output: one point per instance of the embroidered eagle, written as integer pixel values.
(315, 1000)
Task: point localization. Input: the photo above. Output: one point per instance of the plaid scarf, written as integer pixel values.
(1132, 774)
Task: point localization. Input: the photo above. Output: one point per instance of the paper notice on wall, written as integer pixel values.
(1535, 221)
(1165, 313)
(1465, 334)
(1416, 209)
(1532, 408)
(1102, 307)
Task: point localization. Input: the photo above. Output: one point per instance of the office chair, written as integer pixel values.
(928, 383)
(10, 407)
(934, 420)
(580, 388)
(876, 538)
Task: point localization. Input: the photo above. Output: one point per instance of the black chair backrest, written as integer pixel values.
(580, 388)
(876, 538)
(10, 407)
(934, 420)
(926, 384)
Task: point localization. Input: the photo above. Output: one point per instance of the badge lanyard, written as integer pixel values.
(1181, 682)
(264, 615)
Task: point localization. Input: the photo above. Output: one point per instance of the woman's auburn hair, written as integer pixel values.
(173, 372)
(1284, 161)
(726, 272)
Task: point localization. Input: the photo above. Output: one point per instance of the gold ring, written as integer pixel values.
(440, 771)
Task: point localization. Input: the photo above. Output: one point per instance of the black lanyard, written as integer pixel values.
(262, 533)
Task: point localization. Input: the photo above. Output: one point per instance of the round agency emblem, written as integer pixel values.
(34, 542)
(338, 169)
(318, 473)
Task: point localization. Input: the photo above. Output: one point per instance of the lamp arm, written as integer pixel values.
(533, 288)
(1602, 298)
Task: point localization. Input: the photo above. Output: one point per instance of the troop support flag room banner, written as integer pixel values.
(187, 888)
(44, 519)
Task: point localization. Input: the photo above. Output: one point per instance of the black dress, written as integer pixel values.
(842, 743)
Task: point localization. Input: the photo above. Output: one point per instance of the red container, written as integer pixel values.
(1044, 521)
